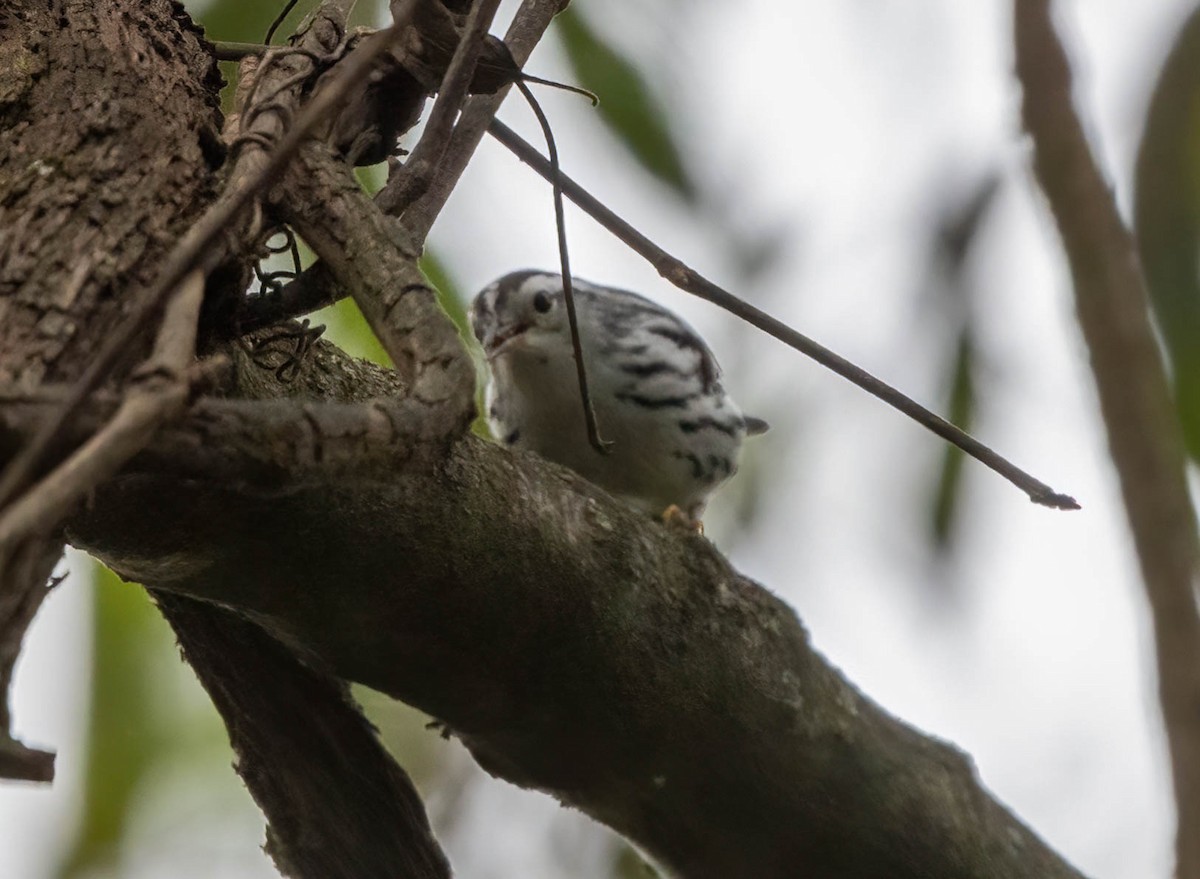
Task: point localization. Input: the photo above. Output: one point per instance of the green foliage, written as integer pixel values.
(955, 238)
(346, 327)
(450, 295)
(960, 410)
(627, 105)
(1167, 219)
(404, 731)
(128, 734)
(237, 20)
(243, 22)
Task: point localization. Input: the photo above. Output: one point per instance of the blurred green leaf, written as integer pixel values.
(369, 13)
(126, 736)
(405, 733)
(955, 235)
(371, 177)
(627, 105)
(960, 410)
(450, 295)
(1167, 219)
(245, 22)
(241, 21)
(346, 327)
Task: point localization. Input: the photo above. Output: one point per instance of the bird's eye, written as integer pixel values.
(541, 302)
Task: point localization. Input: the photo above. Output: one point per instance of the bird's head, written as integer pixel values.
(520, 309)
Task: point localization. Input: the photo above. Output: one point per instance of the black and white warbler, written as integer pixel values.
(675, 433)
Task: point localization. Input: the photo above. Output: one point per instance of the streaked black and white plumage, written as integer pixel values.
(675, 433)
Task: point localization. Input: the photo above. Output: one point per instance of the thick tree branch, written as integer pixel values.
(372, 257)
(262, 691)
(276, 445)
(339, 806)
(1143, 433)
(580, 649)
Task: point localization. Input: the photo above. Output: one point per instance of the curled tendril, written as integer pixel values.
(271, 350)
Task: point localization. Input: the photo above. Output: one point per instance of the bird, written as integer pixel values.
(675, 435)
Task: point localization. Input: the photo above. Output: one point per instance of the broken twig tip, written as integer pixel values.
(19, 762)
(1055, 501)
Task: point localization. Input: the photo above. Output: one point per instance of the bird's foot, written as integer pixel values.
(677, 520)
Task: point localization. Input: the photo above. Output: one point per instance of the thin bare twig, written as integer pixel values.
(526, 30)
(283, 13)
(197, 249)
(158, 394)
(315, 287)
(560, 224)
(231, 50)
(1144, 437)
(417, 172)
(691, 281)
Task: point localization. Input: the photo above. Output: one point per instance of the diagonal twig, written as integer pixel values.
(691, 281)
(418, 170)
(316, 286)
(526, 30)
(1143, 431)
(158, 393)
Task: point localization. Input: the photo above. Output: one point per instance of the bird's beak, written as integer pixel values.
(503, 337)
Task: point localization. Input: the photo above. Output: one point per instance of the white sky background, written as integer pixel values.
(846, 125)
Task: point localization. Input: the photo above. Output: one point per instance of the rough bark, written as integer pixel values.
(98, 185)
(96, 182)
(577, 648)
(338, 804)
(95, 185)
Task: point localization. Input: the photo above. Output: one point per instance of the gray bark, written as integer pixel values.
(575, 647)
